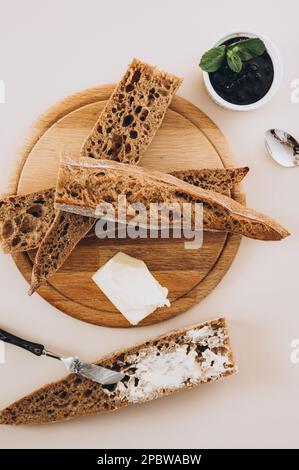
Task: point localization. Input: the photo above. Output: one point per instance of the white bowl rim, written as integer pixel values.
(277, 79)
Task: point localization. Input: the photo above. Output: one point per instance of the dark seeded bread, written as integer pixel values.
(62, 237)
(25, 219)
(123, 132)
(221, 180)
(132, 115)
(84, 183)
(206, 348)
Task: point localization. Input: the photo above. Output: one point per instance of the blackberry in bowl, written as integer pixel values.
(242, 72)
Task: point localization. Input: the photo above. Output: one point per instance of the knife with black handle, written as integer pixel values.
(73, 364)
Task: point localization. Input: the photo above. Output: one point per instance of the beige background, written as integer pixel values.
(54, 48)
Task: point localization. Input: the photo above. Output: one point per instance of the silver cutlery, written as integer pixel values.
(73, 364)
(282, 147)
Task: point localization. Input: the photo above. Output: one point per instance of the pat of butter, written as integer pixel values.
(130, 286)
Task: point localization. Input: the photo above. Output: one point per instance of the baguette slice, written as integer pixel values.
(62, 237)
(38, 207)
(132, 115)
(221, 180)
(83, 184)
(25, 219)
(183, 358)
(123, 131)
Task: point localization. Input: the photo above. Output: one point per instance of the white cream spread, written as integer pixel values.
(196, 334)
(156, 370)
(163, 368)
(168, 370)
(213, 364)
(206, 336)
(131, 287)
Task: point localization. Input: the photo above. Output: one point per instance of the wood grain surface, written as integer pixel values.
(186, 139)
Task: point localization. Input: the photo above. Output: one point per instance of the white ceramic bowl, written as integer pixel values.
(277, 78)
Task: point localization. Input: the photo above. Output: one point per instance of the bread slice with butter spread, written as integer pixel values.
(173, 362)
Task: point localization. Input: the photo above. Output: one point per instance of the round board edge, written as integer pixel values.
(194, 115)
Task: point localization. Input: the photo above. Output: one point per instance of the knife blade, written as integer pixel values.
(93, 372)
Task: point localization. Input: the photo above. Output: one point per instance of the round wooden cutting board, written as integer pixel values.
(186, 139)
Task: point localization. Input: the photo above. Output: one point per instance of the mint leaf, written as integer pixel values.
(248, 48)
(212, 59)
(234, 62)
(235, 53)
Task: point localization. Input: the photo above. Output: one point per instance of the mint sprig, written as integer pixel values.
(235, 54)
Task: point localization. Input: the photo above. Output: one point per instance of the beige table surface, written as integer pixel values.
(54, 48)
